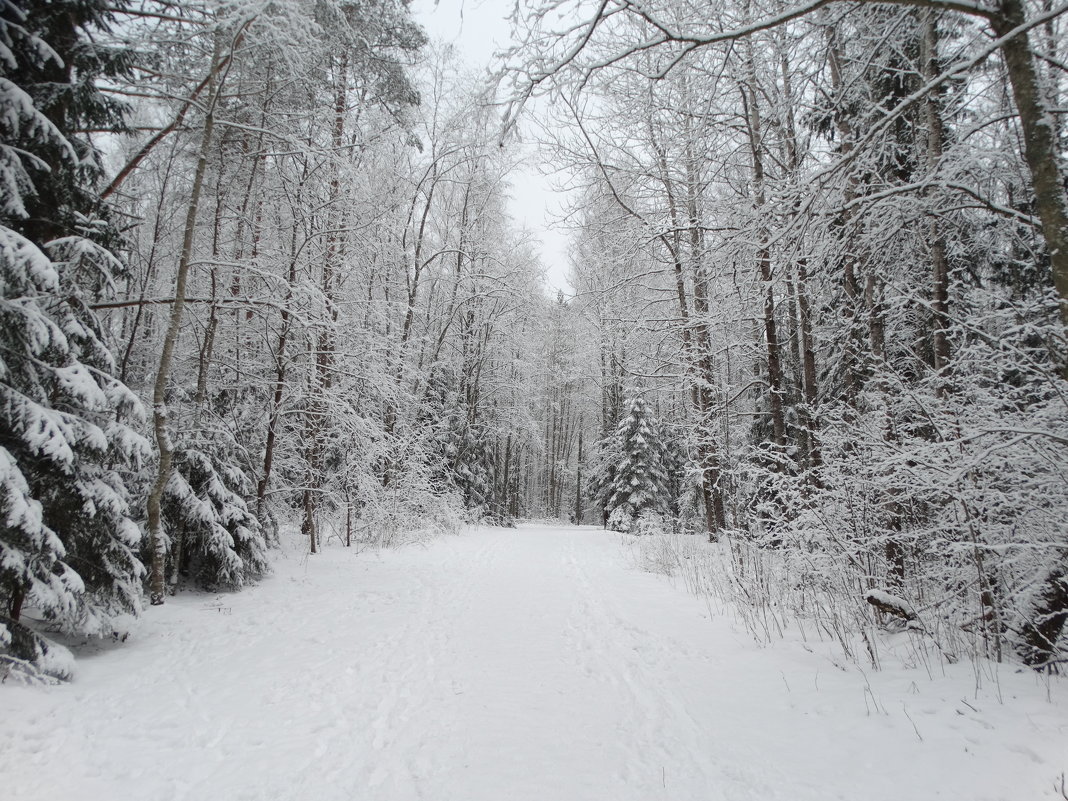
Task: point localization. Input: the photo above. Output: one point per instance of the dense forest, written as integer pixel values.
(259, 276)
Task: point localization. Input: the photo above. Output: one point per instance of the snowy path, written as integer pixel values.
(505, 666)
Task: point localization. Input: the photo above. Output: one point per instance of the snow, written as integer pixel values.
(890, 603)
(533, 664)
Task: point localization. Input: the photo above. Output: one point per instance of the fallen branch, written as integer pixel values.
(890, 604)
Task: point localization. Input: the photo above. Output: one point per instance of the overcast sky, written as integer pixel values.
(479, 28)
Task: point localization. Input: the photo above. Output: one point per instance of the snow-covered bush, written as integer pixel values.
(650, 523)
(402, 515)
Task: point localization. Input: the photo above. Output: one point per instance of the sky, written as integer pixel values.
(479, 28)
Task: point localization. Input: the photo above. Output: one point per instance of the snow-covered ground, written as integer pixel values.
(508, 665)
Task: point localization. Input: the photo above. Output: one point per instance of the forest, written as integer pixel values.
(260, 277)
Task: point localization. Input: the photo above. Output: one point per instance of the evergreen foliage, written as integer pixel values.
(602, 463)
(640, 489)
(460, 449)
(51, 67)
(215, 540)
(68, 456)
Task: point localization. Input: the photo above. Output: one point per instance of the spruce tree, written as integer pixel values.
(216, 540)
(462, 448)
(601, 463)
(639, 488)
(674, 458)
(67, 454)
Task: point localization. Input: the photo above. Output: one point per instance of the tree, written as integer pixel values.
(864, 252)
(676, 33)
(215, 540)
(639, 489)
(69, 543)
(262, 239)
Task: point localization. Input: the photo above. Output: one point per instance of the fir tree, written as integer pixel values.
(639, 487)
(50, 68)
(67, 541)
(602, 463)
(216, 541)
(674, 460)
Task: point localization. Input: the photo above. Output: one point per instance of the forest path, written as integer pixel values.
(535, 664)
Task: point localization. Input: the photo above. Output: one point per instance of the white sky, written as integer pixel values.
(479, 28)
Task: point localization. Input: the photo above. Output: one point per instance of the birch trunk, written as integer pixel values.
(156, 537)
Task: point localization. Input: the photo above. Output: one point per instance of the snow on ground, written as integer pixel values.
(507, 665)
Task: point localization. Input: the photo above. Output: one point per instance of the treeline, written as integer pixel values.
(827, 242)
(257, 270)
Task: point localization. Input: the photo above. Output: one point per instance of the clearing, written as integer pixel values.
(536, 664)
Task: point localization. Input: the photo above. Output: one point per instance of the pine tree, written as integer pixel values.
(67, 454)
(639, 489)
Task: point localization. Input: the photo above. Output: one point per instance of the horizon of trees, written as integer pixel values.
(258, 271)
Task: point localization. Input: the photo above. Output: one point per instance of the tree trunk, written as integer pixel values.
(18, 596)
(708, 453)
(157, 542)
(1040, 146)
(307, 526)
(279, 379)
(809, 417)
(771, 337)
(806, 355)
(936, 242)
(578, 479)
(849, 259)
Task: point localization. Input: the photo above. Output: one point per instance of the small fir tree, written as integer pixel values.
(216, 540)
(463, 450)
(601, 465)
(674, 458)
(639, 488)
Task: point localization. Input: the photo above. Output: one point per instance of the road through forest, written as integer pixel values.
(530, 664)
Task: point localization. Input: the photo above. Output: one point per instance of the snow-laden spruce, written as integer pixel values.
(214, 539)
(69, 456)
(631, 479)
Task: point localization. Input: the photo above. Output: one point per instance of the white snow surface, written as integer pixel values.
(535, 664)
